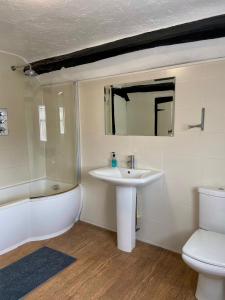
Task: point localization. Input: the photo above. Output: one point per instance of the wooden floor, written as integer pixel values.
(104, 272)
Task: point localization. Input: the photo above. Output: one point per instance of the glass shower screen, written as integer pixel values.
(52, 139)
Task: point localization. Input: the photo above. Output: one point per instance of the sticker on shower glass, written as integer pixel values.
(4, 121)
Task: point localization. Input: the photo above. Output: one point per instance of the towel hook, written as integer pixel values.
(202, 124)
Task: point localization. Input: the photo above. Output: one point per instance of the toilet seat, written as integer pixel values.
(203, 268)
(206, 247)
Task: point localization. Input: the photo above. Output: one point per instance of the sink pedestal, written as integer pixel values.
(126, 182)
(126, 211)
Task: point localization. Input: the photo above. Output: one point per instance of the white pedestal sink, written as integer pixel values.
(126, 181)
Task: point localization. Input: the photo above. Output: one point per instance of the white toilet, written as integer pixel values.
(205, 250)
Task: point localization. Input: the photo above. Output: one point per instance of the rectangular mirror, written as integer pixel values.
(143, 108)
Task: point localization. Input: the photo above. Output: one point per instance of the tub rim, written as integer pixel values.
(9, 204)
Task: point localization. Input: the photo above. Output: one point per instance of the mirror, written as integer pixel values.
(143, 108)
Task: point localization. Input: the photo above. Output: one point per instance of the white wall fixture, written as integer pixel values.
(204, 251)
(202, 124)
(3, 121)
(126, 181)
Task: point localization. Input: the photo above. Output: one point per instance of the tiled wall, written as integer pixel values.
(168, 208)
(13, 148)
(22, 156)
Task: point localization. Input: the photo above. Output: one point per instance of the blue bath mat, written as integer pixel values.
(21, 277)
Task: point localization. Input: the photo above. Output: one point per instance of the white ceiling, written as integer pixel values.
(37, 29)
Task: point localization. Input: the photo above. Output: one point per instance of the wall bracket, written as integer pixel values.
(202, 124)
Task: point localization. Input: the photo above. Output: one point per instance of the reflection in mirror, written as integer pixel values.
(143, 108)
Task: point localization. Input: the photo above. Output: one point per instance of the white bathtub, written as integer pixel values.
(24, 219)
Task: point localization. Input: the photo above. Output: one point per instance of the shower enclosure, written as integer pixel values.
(52, 135)
(40, 197)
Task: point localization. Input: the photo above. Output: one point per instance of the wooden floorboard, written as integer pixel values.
(104, 272)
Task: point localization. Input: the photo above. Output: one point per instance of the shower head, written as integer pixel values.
(30, 72)
(27, 69)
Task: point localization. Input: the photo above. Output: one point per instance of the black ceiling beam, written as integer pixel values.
(205, 29)
(145, 88)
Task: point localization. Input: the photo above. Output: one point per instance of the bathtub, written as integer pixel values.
(25, 216)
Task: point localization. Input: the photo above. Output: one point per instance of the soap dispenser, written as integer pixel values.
(114, 162)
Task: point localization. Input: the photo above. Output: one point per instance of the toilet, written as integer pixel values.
(204, 252)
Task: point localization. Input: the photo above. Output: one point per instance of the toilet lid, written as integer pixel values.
(207, 247)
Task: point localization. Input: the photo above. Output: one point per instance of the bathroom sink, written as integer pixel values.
(127, 177)
(126, 182)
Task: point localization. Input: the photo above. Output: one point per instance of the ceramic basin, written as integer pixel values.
(126, 181)
(127, 177)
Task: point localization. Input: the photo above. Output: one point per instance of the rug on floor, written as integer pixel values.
(21, 277)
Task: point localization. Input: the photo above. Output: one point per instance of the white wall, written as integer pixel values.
(22, 156)
(137, 116)
(141, 114)
(13, 148)
(120, 113)
(191, 158)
